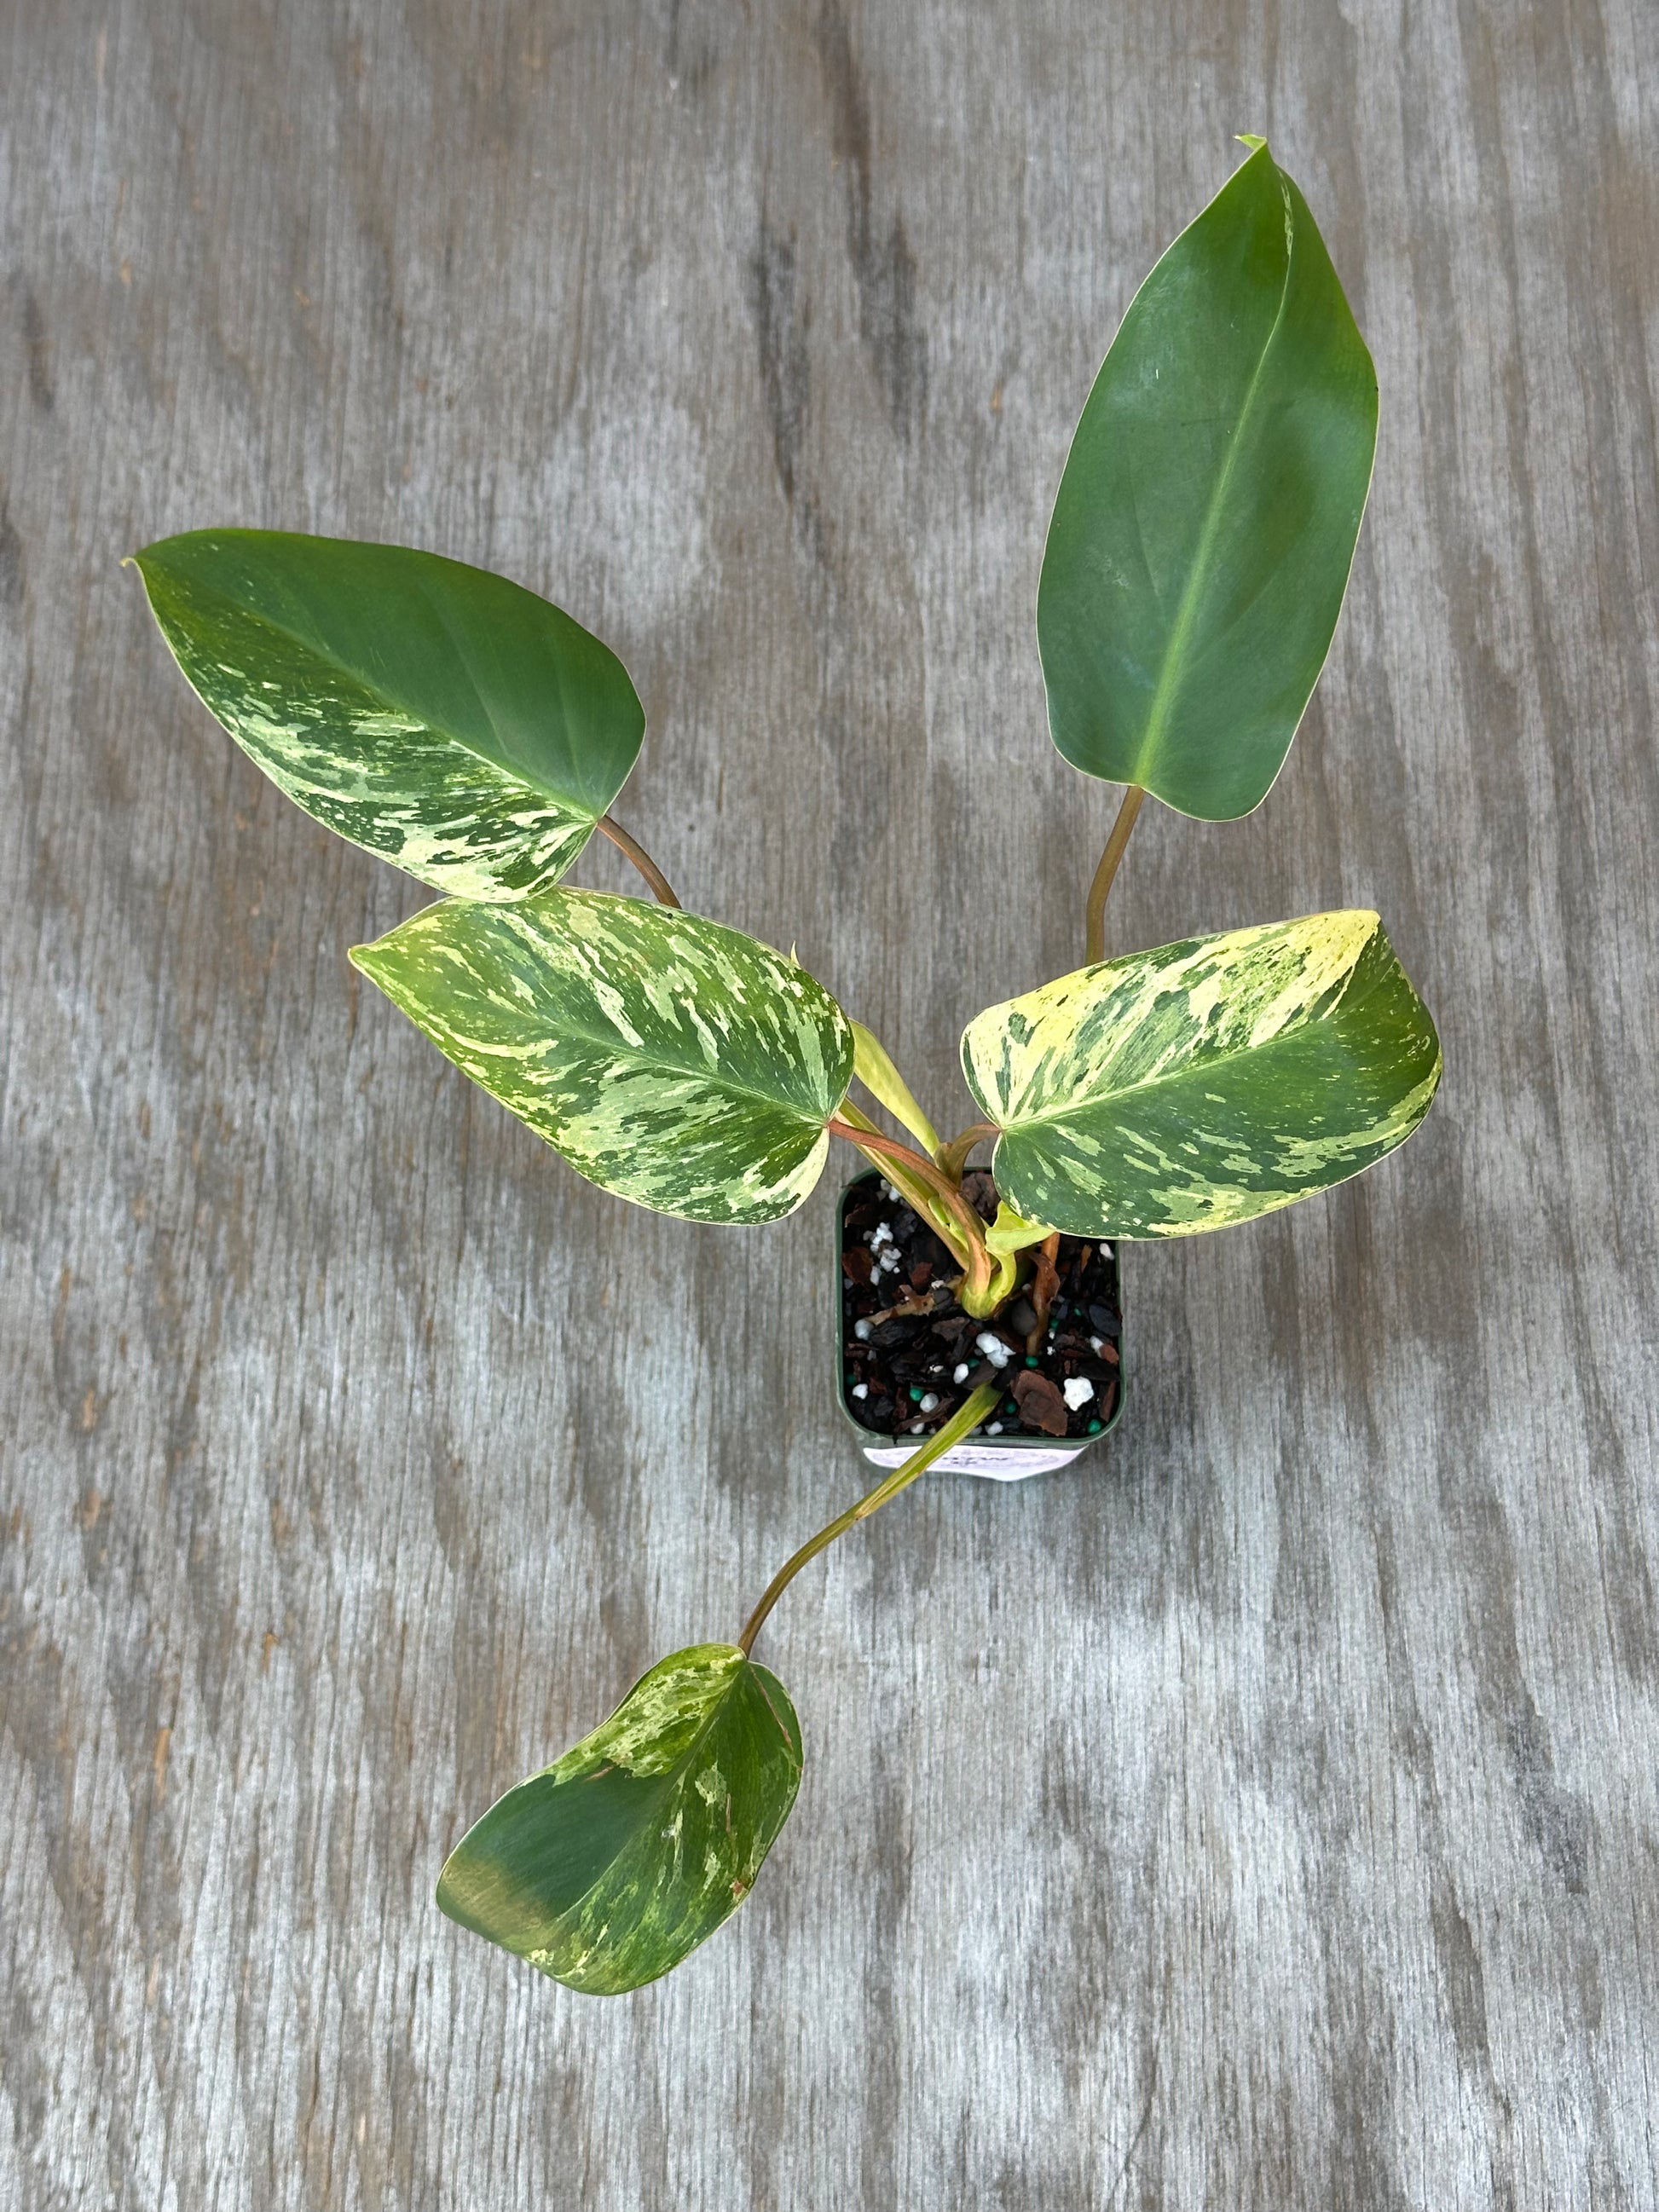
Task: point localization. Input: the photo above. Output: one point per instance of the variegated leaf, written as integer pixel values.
(607, 1868)
(437, 715)
(1206, 1082)
(680, 1064)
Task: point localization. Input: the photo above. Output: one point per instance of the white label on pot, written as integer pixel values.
(979, 1459)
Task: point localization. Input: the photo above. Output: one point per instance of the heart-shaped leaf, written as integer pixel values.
(443, 718)
(1206, 1082)
(680, 1064)
(607, 1868)
(1206, 522)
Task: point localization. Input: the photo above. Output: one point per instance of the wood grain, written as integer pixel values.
(1270, 1817)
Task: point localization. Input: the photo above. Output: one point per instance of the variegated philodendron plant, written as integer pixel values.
(476, 736)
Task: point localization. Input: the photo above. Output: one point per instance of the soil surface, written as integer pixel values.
(910, 1355)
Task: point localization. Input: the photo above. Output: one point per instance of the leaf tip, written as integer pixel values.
(1251, 139)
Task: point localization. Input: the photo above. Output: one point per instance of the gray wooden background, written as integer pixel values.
(1269, 1816)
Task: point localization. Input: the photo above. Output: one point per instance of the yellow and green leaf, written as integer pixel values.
(1011, 1233)
(1206, 521)
(610, 1866)
(441, 717)
(1206, 1082)
(678, 1063)
(874, 1069)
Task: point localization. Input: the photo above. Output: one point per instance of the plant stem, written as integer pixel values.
(966, 1419)
(662, 891)
(916, 1195)
(968, 1241)
(1094, 929)
(904, 1180)
(953, 1158)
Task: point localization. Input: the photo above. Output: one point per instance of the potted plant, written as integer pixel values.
(476, 736)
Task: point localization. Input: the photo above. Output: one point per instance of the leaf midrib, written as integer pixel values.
(614, 1043)
(1186, 612)
(1344, 1003)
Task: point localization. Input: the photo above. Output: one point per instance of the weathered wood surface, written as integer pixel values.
(1268, 1818)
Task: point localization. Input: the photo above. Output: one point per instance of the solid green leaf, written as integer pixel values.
(441, 717)
(1206, 1082)
(1206, 521)
(610, 1866)
(678, 1063)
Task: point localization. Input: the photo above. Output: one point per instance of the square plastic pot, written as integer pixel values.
(995, 1459)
